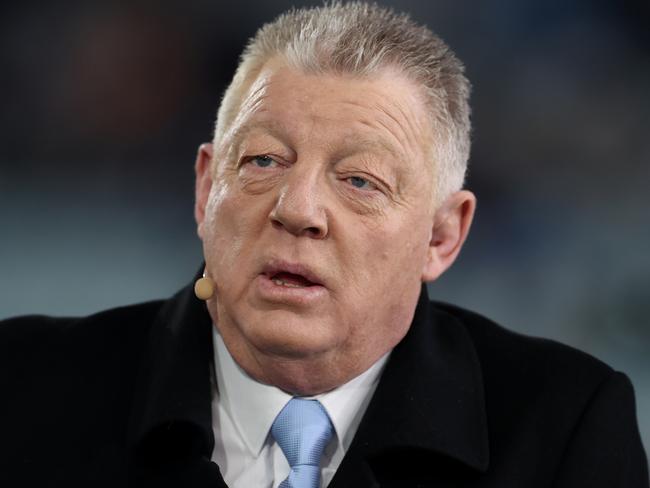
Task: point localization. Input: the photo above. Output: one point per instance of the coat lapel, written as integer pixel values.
(428, 407)
(170, 433)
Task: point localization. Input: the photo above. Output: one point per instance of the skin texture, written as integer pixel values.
(330, 173)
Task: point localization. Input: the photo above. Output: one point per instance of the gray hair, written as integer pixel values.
(360, 39)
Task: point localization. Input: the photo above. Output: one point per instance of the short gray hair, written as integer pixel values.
(360, 39)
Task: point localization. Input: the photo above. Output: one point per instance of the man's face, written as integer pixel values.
(316, 223)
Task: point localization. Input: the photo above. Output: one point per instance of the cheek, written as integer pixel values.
(213, 214)
(381, 263)
(393, 268)
(221, 235)
(391, 264)
(400, 244)
(233, 224)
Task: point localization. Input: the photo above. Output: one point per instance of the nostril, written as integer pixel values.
(313, 231)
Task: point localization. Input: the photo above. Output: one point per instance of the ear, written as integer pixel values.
(451, 225)
(203, 169)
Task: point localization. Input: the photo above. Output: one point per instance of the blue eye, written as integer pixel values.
(263, 161)
(359, 182)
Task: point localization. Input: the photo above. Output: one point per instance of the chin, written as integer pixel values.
(291, 341)
(295, 387)
(281, 331)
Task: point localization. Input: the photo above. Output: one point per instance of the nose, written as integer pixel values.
(300, 207)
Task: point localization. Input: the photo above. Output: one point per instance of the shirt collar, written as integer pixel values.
(346, 404)
(253, 406)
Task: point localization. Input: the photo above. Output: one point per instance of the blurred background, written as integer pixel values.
(104, 104)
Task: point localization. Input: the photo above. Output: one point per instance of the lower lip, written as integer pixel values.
(299, 295)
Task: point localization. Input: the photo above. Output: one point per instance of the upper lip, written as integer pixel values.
(275, 266)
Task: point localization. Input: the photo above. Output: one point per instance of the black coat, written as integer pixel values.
(122, 398)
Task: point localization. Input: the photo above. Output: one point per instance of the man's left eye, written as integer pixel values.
(359, 182)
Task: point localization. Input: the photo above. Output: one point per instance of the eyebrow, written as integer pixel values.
(378, 145)
(270, 127)
(350, 145)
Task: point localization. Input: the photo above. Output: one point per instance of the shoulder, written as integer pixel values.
(32, 331)
(554, 402)
(68, 383)
(35, 348)
(513, 357)
(530, 379)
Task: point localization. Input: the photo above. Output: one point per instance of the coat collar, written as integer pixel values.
(430, 397)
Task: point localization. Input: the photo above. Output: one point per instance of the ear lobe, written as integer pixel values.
(203, 170)
(450, 228)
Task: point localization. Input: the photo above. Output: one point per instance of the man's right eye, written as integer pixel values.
(262, 161)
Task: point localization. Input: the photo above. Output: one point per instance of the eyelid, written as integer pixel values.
(263, 156)
(376, 184)
(251, 158)
(370, 184)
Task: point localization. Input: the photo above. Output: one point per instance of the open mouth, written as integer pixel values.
(291, 283)
(291, 275)
(291, 280)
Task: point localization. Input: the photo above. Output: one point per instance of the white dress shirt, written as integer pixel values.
(243, 411)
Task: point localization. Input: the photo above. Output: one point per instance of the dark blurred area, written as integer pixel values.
(105, 103)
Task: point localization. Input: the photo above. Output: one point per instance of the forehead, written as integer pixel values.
(384, 112)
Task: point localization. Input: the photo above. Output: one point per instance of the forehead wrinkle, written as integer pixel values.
(259, 91)
(409, 133)
(253, 103)
(340, 146)
(372, 122)
(399, 154)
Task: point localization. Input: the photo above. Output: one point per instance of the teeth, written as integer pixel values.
(280, 282)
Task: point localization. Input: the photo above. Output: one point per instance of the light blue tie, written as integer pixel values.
(302, 429)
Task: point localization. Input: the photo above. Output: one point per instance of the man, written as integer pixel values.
(331, 192)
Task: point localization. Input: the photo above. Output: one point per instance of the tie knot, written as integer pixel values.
(302, 429)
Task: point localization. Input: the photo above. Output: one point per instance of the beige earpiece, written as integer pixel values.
(204, 288)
